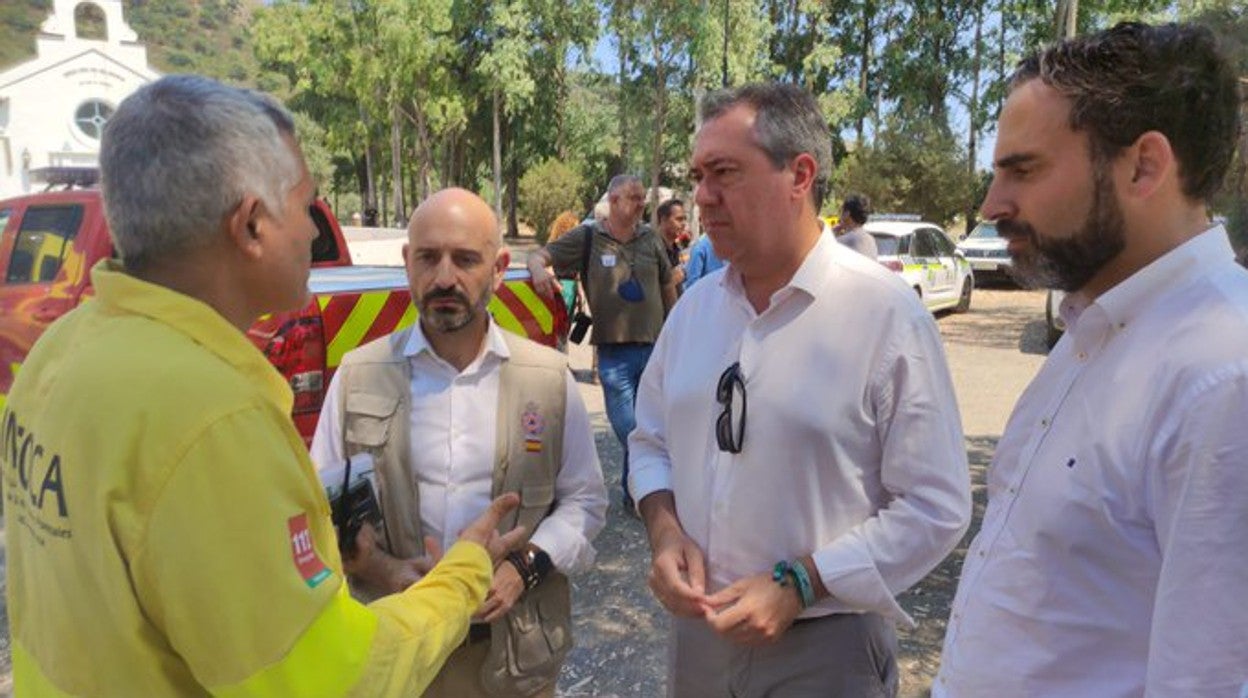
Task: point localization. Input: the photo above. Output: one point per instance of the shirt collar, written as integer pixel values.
(493, 345)
(194, 318)
(809, 277)
(1195, 258)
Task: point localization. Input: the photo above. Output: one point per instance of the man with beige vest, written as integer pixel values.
(451, 412)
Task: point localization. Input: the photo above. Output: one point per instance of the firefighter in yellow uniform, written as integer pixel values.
(166, 532)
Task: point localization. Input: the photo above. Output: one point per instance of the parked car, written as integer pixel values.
(1054, 325)
(927, 261)
(985, 249)
(50, 240)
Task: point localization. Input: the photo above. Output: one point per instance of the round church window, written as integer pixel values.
(91, 117)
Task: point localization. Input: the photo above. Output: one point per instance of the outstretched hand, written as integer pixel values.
(484, 530)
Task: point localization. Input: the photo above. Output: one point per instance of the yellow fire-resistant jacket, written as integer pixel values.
(167, 534)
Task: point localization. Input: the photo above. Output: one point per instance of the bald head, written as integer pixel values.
(455, 208)
(455, 259)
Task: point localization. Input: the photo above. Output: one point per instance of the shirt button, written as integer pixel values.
(980, 553)
(1082, 355)
(1044, 422)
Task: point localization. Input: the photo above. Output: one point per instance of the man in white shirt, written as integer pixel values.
(1113, 556)
(452, 410)
(798, 459)
(855, 210)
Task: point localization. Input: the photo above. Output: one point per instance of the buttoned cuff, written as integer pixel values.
(850, 575)
(566, 546)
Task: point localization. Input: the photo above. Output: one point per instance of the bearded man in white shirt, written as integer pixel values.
(450, 411)
(798, 458)
(1113, 557)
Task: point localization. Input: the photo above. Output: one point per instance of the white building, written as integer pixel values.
(53, 108)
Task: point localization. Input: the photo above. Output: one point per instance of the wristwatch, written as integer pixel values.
(538, 561)
(532, 564)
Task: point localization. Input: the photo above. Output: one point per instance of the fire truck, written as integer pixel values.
(50, 240)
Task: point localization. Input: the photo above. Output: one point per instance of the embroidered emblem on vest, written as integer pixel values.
(533, 425)
(307, 561)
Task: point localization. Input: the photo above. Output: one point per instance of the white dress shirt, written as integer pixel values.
(1113, 558)
(852, 447)
(453, 429)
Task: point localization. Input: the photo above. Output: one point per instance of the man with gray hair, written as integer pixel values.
(779, 544)
(630, 286)
(176, 505)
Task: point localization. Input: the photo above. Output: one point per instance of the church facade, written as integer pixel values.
(53, 108)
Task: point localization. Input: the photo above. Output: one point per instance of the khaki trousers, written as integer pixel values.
(837, 656)
(461, 675)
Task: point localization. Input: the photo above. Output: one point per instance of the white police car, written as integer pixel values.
(927, 261)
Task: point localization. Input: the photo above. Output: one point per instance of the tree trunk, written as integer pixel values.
(864, 67)
(396, 164)
(660, 118)
(973, 107)
(498, 156)
(513, 182)
(561, 102)
(625, 158)
(370, 176)
(1066, 19)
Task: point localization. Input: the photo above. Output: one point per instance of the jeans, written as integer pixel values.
(619, 369)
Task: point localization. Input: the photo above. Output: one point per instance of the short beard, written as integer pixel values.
(454, 319)
(1069, 262)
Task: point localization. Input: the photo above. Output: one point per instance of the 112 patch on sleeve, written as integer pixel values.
(307, 562)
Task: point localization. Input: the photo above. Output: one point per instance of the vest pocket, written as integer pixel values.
(530, 643)
(367, 417)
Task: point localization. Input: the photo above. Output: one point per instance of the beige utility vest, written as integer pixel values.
(527, 645)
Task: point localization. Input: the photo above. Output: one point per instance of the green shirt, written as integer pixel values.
(612, 263)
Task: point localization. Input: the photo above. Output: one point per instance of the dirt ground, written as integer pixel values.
(621, 632)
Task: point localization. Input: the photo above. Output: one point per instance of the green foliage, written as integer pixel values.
(911, 168)
(546, 191)
(19, 23)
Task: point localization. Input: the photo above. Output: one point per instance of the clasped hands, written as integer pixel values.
(754, 610)
(379, 573)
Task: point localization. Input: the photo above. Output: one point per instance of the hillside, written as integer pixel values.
(182, 36)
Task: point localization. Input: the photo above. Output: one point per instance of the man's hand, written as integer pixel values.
(544, 282)
(505, 591)
(484, 531)
(678, 575)
(379, 573)
(677, 570)
(754, 610)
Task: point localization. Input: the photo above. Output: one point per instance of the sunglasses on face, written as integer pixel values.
(729, 436)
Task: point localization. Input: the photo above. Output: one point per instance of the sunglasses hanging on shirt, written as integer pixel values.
(728, 435)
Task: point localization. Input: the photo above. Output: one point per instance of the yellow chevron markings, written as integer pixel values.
(409, 316)
(504, 317)
(536, 307)
(355, 326)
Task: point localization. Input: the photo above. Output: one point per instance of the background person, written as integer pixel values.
(628, 283)
(855, 211)
(674, 228)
